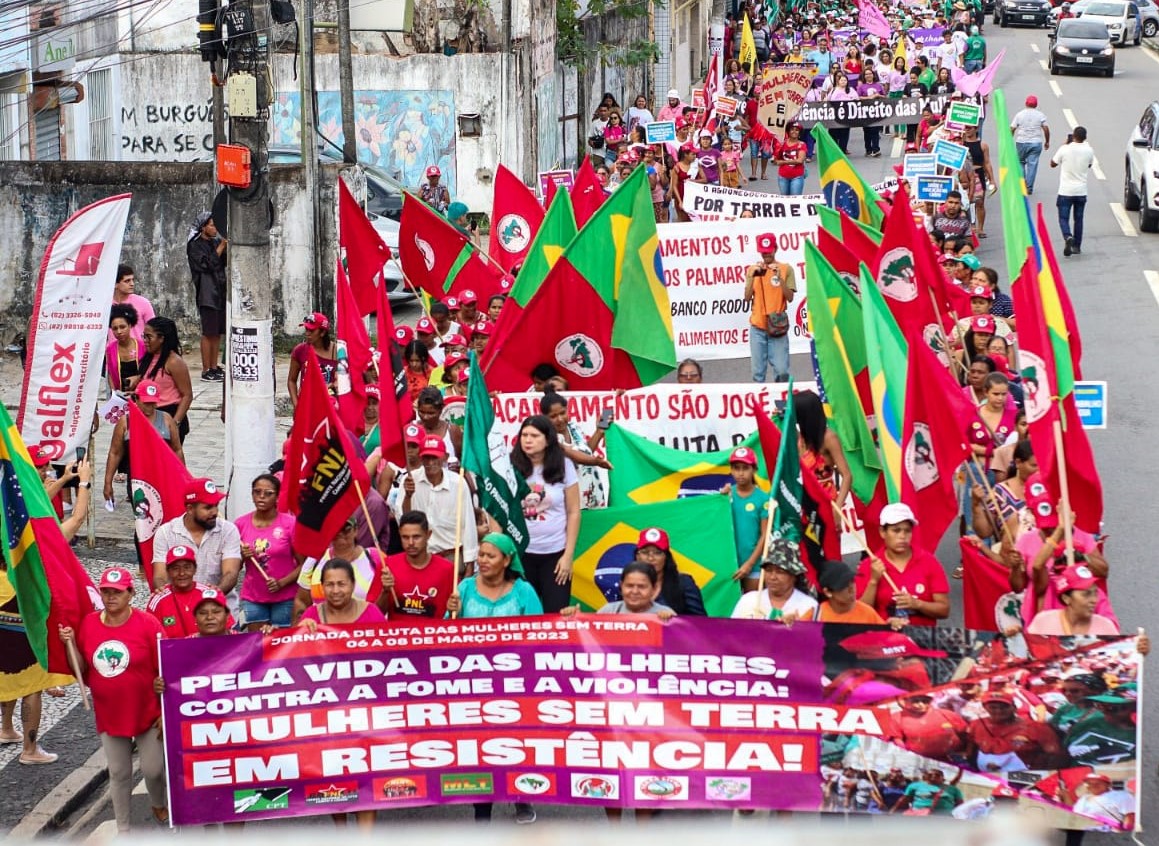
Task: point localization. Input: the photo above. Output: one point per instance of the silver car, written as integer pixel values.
(1120, 16)
(1141, 170)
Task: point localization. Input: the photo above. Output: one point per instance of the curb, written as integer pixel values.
(63, 799)
(1151, 44)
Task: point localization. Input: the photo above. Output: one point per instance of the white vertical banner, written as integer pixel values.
(68, 328)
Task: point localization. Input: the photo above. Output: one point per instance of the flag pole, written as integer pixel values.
(458, 534)
(955, 365)
(848, 529)
(374, 535)
(993, 497)
(764, 555)
(92, 515)
(1139, 729)
(1064, 485)
(74, 662)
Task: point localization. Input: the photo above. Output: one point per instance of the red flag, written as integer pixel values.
(838, 255)
(857, 242)
(439, 258)
(587, 194)
(820, 525)
(933, 442)
(354, 356)
(393, 404)
(581, 345)
(515, 218)
(904, 285)
(1045, 412)
(1068, 315)
(321, 485)
(157, 479)
(985, 589)
(366, 252)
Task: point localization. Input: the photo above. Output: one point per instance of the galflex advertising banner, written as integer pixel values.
(872, 111)
(627, 711)
(69, 327)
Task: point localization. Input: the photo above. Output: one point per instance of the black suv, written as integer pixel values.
(1022, 12)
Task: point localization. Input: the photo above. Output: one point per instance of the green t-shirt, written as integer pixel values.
(975, 48)
(1094, 741)
(747, 513)
(928, 78)
(922, 795)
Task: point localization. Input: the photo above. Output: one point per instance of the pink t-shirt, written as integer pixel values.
(1051, 623)
(1029, 545)
(272, 550)
(370, 614)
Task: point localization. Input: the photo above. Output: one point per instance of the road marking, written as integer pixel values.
(1096, 170)
(1152, 277)
(1043, 63)
(1124, 222)
(898, 147)
(1033, 46)
(1054, 87)
(1150, 54)
(1071, 120)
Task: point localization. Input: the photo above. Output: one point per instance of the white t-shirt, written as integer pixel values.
(755, 605)
(1028, 125)
(947, 54)
(1112, 805)
(546, 511)
(1074, 161)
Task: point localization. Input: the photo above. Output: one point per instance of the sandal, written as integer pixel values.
(959, 572)
(55, 692)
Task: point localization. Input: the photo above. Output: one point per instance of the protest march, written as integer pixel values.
(530, 548)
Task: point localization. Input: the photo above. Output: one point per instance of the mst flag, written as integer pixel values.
(52, 589)
(439, 258)
(486, 454)
(786, 491)
(363, 249)
(515, 219)
(986, 593)
(700, 533)
(157, 479)
(321, 485)
(902, 281)
(647, 472)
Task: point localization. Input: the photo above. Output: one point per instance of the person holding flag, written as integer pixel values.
(784, 595)
(750, 514)
(906, 586)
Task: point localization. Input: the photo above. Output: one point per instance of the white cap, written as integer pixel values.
(897, 512)
(673, 94)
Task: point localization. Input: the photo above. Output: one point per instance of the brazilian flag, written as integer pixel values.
(844, 188)
(648, 472)
(701, 537)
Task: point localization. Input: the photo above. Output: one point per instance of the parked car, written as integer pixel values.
(1022, 12)
(1141, 170)
(1120, 16)
(1081, 44)
(1147, 8)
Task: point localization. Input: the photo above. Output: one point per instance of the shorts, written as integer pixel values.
(730, 178)
(756, 152)
(212, 321)
(277, 614)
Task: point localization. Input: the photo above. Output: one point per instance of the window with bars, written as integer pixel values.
(100, 96)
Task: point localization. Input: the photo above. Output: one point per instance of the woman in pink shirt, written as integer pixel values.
(164, 365)
(1078, 591)
(271, 573)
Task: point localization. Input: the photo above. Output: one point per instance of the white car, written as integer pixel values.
(1147, 9)
(1120, 16)
(1141, 170)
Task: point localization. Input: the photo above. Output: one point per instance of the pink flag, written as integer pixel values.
(873, 21)
(978, 82)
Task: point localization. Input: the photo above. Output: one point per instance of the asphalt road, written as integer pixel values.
(1115, 288)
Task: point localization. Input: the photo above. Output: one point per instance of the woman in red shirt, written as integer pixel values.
(118, 659)
(790, 160)
(681, 174)
(906, 586)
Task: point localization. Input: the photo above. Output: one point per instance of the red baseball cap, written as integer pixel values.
(117, 578)
(998, 696)
(982, 323)
(212, 595)
(1031, 101)
(468, 296)
(403, 335)
(654, 537)
(1078, 577)
(453, 359)
(1040, 502)
(433, 170)
(40, 455)
(766, 243)
(181, 552)
(882, 644)
(147, 391)
(373, 391)
(744, 455)
(483, 327)
(452, 303)
(433, 446)
(456, 340)
(316, 320)
(981, 292)
(203, 491)
(425, 326)
(413, 434)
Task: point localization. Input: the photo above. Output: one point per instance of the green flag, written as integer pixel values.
(486, 454)
(844, 188)
(788, 517)
(700, 535)
(839, 344)
(648, 472)
(1016, 226)
(888, 355)
(555, 233)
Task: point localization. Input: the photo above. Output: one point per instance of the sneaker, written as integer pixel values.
(213, 375)
(38, 757)
(1069, 248)
(524, 814)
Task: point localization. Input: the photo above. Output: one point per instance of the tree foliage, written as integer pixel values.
(572, 46)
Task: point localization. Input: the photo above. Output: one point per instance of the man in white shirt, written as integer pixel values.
(216, 541)
(443, 496)
(1031, 137)
(1075, 157)
(947, 52)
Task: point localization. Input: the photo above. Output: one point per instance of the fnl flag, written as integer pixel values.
(157, 481)
(321, 485)
(700, 534)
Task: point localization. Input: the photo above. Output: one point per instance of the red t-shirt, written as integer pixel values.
(934, 734)
(922, 577)
(1032, 742)
(174, 609)
(421, 593)
(122, 664)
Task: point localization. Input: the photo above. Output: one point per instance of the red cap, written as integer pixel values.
(147, 391)
(483, 327)
(982, 323)
(767, 243)
(203, 491)
(452, 303)
(1040, 502)
(1031, 101)
(981, 292)
(40, 455)
(433, 446)
(425, 326)
(181, 552)
(117, 578)
(998, 696)
(373, 391)
(403, 335)
(315, 320)
(881, 644)
(453, 359)
(456, 340)
(212, 595)
(1093, 776)
(433, 170)
(468, 296)
(653, 537)
(1078, 577)
(413, 434)
(744, 455)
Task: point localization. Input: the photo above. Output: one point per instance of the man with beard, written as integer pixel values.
(216, 542)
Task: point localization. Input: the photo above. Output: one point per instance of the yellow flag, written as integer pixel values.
(748, 48)
(900, 51)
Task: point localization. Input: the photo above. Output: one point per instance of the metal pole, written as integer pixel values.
(250, 375)
(309, 123)
(346, 85)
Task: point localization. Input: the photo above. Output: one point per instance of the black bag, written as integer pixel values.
(596, 141)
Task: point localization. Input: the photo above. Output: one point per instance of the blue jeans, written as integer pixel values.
(792, 187)
(973, 65)
(966, 494)
(810, 142)
(1028, 155)
(768, 350)
(277, 614)
(1065, 206)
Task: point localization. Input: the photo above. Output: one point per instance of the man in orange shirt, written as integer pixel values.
(1004, 742)
(925, 730)
(769, 287)
(840, 604)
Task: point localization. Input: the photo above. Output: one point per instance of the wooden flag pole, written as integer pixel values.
(955, 365)
(374, 535)
(74, 662)
(1065, 513)
(992, 495)
(848, 529)
(764, 555)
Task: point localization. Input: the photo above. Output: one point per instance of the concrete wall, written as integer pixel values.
(39, 197)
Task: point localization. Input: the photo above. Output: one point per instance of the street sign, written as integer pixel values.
(1091, 400)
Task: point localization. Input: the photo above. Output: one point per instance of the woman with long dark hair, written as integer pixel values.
(677, 590)
(164, 365)
(123, 354)
(317, 326)
(552, 510)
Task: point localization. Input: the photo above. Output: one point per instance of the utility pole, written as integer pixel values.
(309, 122)
(250, 374)
(346, 85)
